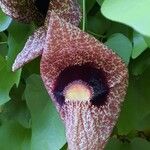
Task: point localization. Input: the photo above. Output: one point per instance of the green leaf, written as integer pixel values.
(113, 144)
(139, 45)
(137, 103)
(14, 137)
(100, 25)
(2, 62)
(133, 13)
(120, 28)
(116, 144)
(31, 68)
(89, 4)
(121, 45)
(140, 144)
(64, 147)
(144, 124)
(7, 80)
(47, 129)
(100, 2)
(4, 21)
(147, 40)
(3, 44)
(16, 109)
(135, 144)
(128, 117)
(140, 64)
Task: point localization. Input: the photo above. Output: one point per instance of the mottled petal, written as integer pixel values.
(21, 10)
(33, 48)
(88, 126)
(66, 9)
(65, 39)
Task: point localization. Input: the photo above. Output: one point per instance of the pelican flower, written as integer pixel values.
(86, 81)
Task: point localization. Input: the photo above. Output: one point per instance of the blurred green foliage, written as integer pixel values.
(28, 119)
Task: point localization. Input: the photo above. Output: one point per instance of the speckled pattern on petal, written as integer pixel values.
(87, 127)
(67, 9)
(21, 10)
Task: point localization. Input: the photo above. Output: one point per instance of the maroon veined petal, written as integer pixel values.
(66, 9)
(67, 54)
(69, 10)
(24, 10)
(33, 48)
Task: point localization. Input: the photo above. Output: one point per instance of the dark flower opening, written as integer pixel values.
(93, 77)
(42, 6)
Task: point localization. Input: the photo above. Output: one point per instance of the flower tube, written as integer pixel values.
(86, 81)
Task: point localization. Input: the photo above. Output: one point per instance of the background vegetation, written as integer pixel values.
(28, 119)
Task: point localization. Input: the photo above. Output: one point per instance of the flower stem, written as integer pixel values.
(84, 15)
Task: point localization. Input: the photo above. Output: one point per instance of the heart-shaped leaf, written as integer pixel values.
(134, 13)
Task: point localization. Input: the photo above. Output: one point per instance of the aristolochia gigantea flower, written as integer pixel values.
(86, 81)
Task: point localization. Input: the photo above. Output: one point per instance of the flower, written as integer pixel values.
(86, 81)
(74, 62)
